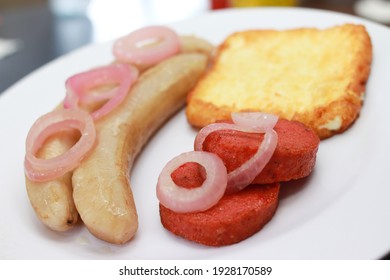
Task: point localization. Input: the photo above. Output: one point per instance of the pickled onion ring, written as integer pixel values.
(183, 200)
(79, 87)
(255, 120)
(242, 176)
(159, 43)
(250, 123)
(40, 170)
(205, 131)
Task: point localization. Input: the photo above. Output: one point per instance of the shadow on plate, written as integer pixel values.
(292, 187)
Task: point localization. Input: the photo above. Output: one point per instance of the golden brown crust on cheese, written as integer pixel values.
(314, 76)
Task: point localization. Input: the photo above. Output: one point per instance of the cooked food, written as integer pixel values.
(192, 44)
(78, 156)
(236, 217)
(293, 158)
(101, 189)
(258, 151)
(315, 76)
(52, 200)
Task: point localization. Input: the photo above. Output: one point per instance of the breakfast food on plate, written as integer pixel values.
(234, 218)
(223, 203)
(52, 200)
(294, 156)
(198, 45)
(101, 189)
(314, 76)
(78, 156)
(263, 106)
(164, 42)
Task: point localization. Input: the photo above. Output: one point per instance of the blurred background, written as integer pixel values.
(34, 32)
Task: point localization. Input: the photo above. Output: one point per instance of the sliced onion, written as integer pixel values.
(205, 131)
(242, 176)
(255, 120)
(38, 169)
(183, 200)
(80, 86)
(250, 123)
(147, 46)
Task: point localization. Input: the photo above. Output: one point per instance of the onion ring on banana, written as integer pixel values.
(40, 170)
(79, 87)
(147, 46)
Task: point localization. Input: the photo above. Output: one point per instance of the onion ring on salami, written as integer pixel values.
(252, 122)
(255, 120)
(185, 200)
(247, 172)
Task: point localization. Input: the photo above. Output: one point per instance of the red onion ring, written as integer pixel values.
(183, 200)
(40, 170)
(80, 85)
(160, 43)
(205, 131)
(241, 177)
(251, 123)
(255, 120)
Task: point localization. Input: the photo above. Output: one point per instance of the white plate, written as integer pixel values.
(341, 212)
